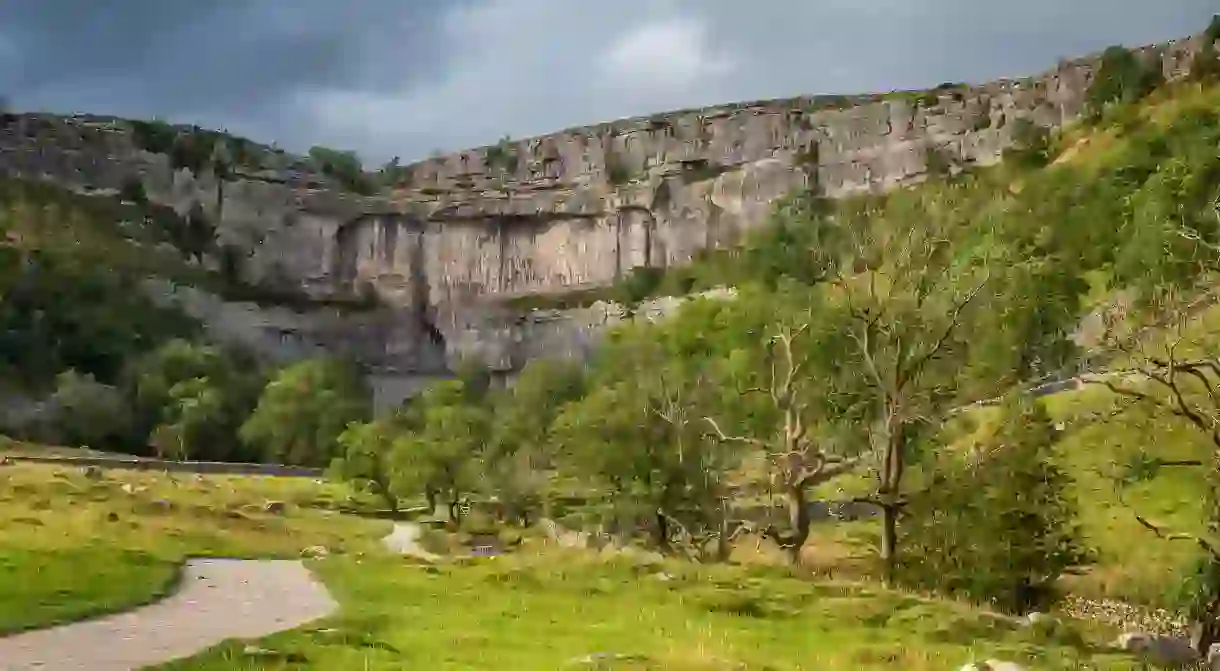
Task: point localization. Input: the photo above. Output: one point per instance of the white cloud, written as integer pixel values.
(669, 54)
(527, 67)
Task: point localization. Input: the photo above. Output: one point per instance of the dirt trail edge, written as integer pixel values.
(218, 599)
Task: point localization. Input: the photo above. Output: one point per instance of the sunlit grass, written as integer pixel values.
(71, 546)
(548, 611)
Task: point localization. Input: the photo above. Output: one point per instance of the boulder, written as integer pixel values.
(1159, 650)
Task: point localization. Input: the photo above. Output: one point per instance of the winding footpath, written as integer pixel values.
(218, 599)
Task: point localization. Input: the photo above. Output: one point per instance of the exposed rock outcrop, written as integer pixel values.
(459, 234)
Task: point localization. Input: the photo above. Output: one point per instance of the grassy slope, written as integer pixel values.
(71, 547)
(546, 611)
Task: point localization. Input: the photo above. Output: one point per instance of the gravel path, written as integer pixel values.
(405, 541)
(218, 599)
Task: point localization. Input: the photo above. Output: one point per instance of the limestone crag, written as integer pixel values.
(581, 207)
(457, 235)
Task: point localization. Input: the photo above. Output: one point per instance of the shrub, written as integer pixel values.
(1002, 529)
(1121, 77)
(83, 411)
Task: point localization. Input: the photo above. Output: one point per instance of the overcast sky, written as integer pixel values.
(406, 77)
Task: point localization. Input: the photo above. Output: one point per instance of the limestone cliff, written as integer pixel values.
(459, 234)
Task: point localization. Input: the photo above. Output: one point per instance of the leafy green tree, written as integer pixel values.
(197, 417)
(639, 434)
(1002, 527)
(303, 410)
(194, 396)
(440, 454)
(906, 309)
(367, 456)
(520, 448)
(802, 443)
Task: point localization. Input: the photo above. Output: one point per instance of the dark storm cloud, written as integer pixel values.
(233, 61)
(403, 77)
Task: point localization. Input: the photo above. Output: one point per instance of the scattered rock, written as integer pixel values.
(1213, 657)
(274, 507)
(290, 657)
(93, 473)
(112, 517)
(1126, 616)
(664, 577)
(993, 665)
(602, 657)
(161, 505)
(315, 551)
(1037, 619)
(5, 461)
(1159, 650)
(128, 488)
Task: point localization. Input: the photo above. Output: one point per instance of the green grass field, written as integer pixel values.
(553, 610)
(71, 546)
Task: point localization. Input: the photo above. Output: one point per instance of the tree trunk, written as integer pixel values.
(430, 495)
(889, 540)
(723, 549)
(391, 501)
(455, 508)
(661, 531)
(798, 523)
(1206, 630)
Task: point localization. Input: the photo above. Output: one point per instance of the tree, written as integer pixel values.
(194, 397)
(1001, 528)
(799, 448)
(367, 451)
(448, 429)
(639, 435)
(905, 306)
(304, 409)
(705, 513)
(1177, 377)
(519, 450)
(196, 418)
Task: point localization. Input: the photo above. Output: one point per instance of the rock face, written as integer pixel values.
(457, 235)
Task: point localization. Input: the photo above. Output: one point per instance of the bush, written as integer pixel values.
(1002, 529)
(1121, 77)
(83, 411)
